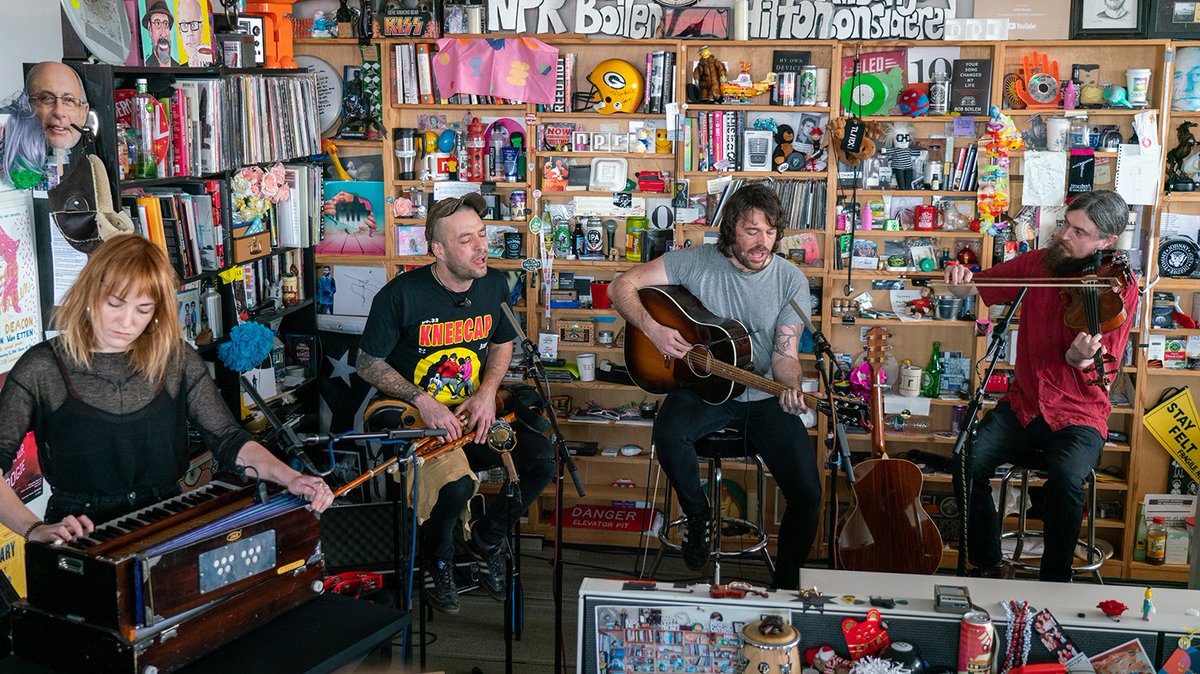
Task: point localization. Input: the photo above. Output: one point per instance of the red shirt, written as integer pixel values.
(1046, 385)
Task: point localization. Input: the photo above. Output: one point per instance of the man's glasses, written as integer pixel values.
(189, 26)
(48, 100)
(160, 23)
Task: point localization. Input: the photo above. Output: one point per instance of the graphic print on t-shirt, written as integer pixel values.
(450, 367)
(450, 375)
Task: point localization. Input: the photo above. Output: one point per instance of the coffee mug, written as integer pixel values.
(926, 218)
(586, 362)
(437, 165)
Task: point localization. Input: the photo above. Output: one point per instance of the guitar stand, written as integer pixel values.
(966, 434)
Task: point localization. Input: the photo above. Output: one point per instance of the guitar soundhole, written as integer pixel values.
(698, 361)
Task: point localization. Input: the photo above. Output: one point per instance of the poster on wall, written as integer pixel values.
(20, 312)
(157, 19)
(193, 33)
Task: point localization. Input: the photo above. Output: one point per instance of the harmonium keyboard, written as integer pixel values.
(163, 585)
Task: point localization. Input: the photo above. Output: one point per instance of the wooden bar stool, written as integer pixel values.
(725, 444)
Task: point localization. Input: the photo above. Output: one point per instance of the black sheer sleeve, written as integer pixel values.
(208, 413)
(32, 383)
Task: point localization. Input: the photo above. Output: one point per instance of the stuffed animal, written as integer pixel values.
(643, 141)
(836, 130)
(709, 73)
(786, 158)
(913, 102)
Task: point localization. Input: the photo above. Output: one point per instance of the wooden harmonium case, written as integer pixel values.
(174, 557)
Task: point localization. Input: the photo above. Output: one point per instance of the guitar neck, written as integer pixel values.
(702, 361)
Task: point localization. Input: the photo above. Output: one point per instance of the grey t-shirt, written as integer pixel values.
(759, 301)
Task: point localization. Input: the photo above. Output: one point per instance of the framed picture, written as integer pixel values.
(1174, 19)
(1109, 18)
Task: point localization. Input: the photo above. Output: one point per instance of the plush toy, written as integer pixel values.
(913, 102)
(922, 307)
(709, 73)
(786, 158)
(901, 155)
(826, 661)
(836, 130)
(643, 141)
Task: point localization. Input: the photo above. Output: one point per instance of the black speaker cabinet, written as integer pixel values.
(358, 536)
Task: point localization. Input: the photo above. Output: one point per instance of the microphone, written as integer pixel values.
(249, 344)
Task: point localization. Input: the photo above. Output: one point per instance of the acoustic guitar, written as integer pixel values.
(888, 530)
(720, 365)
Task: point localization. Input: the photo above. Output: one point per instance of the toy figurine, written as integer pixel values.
(786, 158)
(922, 307)
(709, 73)
(643, 141)
(743, 87)
(902, 157)
(1177, 179)
(1116, 97)
(913, 102)
(322, 26)
(816, 159)
(1148, 605)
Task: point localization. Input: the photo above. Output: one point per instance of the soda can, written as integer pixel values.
(808, 85)
(786, 88)
(939, 95)
(976, 643)
(516, 204)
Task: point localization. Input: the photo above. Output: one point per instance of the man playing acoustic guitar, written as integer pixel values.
(1052, 414)
(738, 278)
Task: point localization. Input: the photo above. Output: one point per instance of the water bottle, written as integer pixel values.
(211, 299)
(495, 159)
(143, 107)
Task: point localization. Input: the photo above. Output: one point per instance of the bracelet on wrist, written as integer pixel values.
(32, 527)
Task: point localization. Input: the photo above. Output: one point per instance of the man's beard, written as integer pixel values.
(1061, 264)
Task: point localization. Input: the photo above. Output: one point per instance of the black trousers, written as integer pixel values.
(782, 441)
(534, 461)
(1068, 454)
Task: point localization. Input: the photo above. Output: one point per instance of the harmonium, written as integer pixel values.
(158, 588)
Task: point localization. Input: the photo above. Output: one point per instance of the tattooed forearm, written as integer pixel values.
(377, 373)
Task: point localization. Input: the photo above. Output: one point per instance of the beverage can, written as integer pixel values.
(939, 95)
(513, 245)
(594, 234)
(516, 204)
(976, 643)
(808, 85)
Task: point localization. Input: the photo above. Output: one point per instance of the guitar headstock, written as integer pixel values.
(877, 346)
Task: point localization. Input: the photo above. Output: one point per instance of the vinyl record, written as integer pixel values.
(864, 95)
(102, 27)
(1178, 258)
(329, 91)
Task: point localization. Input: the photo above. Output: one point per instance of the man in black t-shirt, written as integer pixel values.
(436, 338)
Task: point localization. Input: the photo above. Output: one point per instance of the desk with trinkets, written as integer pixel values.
(625, 618)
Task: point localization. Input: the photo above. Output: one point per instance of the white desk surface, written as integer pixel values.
(1065, 601)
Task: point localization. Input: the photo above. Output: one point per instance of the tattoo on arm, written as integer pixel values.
(376, 372)
(787, 341)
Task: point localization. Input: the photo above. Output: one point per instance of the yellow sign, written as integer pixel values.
(12, 559)
(1176, 426)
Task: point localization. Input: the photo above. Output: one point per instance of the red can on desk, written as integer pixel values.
(976, 643)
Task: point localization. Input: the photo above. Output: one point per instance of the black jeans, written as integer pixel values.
(534, 461)
(1068, 455)
(778, 437)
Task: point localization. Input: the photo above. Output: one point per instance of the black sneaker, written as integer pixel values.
(696, 542)
(490, 566)
(443, 595)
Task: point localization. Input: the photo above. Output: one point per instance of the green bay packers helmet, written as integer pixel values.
(617, 86)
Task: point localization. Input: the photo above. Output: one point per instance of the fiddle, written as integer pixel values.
(1099, 308)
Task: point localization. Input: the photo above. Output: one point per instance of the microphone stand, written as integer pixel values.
(837, 441)
(966, 434)
(563, 463)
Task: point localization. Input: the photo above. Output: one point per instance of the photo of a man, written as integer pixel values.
(195, 36)
(158, 25)
(1109, 14)
(56, 95)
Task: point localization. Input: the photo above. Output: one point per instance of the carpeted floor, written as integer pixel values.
(475, 639)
